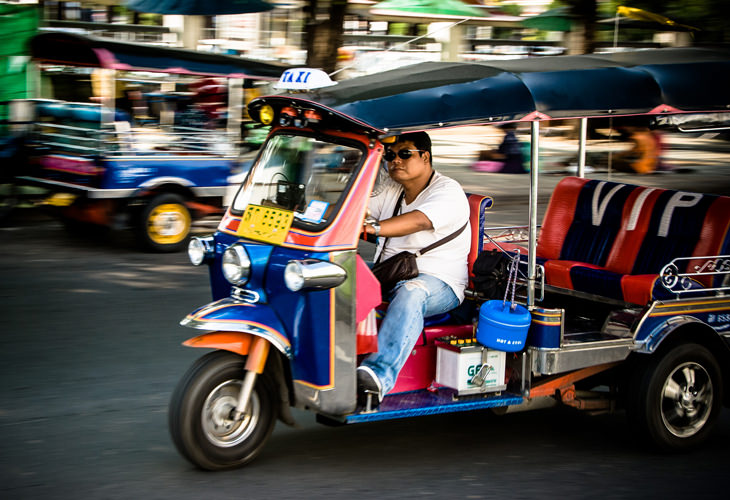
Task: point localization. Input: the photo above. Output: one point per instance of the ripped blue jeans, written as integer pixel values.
(410, 302)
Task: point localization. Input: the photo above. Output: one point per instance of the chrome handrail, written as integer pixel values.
(680, 283)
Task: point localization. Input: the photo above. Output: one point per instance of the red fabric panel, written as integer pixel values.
(367, 292)
(714, 231)
(638, 288)
(634, 224)
(557, 272)
(558, 217)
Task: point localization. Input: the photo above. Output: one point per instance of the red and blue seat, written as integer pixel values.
(612, 239)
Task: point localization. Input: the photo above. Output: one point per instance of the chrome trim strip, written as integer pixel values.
(150, 183)
(564, 359)
(243, 328)
(91, 192)
(210, 191)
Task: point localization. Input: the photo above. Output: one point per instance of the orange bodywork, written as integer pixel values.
(563, 384)
(237, 342)
(245, 344)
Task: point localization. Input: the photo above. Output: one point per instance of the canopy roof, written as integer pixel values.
(78, 50)
(199, 7)
(441, 93)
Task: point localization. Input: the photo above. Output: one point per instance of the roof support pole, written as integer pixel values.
(582, 147)
(235, 109)
(532, 234)
(107, 95)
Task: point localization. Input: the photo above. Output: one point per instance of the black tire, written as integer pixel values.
(675, 398)
(198, 413)
(164, 224)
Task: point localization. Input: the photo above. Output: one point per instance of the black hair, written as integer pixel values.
(419, 139)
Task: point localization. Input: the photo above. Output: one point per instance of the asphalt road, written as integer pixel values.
(91, 353)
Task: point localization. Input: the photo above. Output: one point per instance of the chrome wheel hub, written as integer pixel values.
(687, 398)
(219, 425)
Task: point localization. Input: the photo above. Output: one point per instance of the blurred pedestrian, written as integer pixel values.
(507, 158)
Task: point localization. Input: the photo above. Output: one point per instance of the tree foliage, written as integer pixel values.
(710, 16)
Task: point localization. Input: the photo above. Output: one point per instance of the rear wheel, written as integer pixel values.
(201, 413)
(165, 222)
(675, 399)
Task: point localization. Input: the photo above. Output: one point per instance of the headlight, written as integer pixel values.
(236, 264)
(312, 273)
(200, 249)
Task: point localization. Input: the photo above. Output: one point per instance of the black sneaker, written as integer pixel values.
(369, 388)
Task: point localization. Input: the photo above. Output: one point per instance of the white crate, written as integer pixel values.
(457, 365)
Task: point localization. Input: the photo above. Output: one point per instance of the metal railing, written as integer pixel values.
(144, 141)
(517, 236)
(697, 268)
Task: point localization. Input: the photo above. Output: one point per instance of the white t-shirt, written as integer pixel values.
(445, 204)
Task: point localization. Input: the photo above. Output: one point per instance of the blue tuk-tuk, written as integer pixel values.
(134, 135)
(626, 286)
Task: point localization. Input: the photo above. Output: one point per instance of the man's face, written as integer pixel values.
(416, 166)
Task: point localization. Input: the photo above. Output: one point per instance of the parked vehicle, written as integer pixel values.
(138, 135)
(625, 285)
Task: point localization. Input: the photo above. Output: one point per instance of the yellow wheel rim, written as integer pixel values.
(168, 224)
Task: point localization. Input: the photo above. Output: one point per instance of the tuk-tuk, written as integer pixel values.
(134, 135)
(625, 285)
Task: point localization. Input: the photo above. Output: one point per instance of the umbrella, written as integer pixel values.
(430, 9)
(199, 7)
(558, 19)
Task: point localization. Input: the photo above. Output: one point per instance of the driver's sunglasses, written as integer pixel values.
(403, 154)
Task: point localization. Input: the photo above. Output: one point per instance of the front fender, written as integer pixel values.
(230, 315)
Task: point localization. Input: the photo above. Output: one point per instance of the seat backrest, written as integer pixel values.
(478, 205)
(683, 224)
(634, 224)
(582, 220)
(632, 229)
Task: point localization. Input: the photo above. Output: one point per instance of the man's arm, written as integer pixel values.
(404, 224)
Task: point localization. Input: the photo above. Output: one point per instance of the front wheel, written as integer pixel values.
(201, 413)
(676, 398)
(165, 223)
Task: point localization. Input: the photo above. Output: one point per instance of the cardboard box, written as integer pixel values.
(459, 360)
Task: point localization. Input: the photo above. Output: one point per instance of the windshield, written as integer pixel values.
(302, 174)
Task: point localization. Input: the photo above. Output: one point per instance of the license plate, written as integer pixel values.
(267, 224)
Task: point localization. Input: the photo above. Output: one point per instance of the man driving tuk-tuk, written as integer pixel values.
(623, 286)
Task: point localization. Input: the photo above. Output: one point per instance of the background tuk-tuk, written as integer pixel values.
(625, 286)
(127, 134)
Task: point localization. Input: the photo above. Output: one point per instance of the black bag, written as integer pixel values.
(490, 272)
(401, 266)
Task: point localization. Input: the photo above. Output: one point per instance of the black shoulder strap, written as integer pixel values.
(433, 245)
(443, 240)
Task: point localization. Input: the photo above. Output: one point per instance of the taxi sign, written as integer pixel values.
(303, 79)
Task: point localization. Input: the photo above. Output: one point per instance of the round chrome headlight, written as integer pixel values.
(200, 249)
(236, 265)
(313, 274)
(293, 276)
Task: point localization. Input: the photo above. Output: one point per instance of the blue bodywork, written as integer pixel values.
(304, 316)
(195, 172)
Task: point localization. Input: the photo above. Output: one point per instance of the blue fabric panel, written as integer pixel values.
(597, 281)
(659, 292)
(674, 229)
(586, 242)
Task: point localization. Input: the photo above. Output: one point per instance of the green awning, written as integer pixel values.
(429, 8)
(558, 19)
